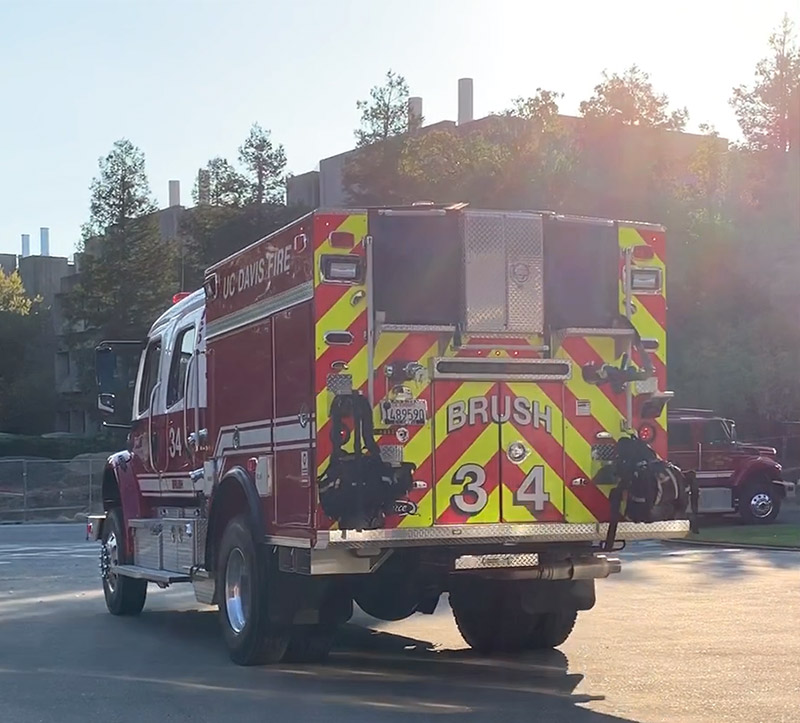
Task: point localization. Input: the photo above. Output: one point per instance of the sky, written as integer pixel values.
(185, 79)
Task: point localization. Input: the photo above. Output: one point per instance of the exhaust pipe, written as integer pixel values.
(582, 568)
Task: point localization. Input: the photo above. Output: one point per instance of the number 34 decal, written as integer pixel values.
(473, 497)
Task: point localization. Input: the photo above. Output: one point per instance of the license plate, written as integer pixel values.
(414, 412)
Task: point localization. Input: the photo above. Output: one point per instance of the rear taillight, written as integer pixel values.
(647, 432)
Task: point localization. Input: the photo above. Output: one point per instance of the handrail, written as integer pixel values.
(186, 399)
(153, 466)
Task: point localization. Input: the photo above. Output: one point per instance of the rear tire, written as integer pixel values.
(490, 618)
(243, 577)
(124, 595)
(759, 504)
(552, 629)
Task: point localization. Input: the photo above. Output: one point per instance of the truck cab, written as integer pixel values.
(732, 476)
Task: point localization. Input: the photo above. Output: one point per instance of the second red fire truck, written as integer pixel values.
(379, 406)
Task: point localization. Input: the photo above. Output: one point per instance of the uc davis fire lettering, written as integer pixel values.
(480, 410)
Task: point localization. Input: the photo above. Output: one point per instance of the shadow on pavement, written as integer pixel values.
(175, 661)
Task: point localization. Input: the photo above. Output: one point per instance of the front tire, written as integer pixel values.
(124, 595)
(242, 581)
(310, 643)
(759, 504)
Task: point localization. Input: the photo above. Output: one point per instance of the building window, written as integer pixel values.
(62, 366)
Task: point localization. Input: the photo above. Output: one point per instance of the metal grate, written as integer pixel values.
(391, 453)
(604, 452)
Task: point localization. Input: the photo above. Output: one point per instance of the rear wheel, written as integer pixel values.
(759, 504)
(242, 581)
(552, 629)
(492, 619)
(124, 595)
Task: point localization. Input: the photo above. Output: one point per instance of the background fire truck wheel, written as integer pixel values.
(552, 629)
(124, 595)
(490, 617)
(242, 582)
(758, 503)
(310, 643)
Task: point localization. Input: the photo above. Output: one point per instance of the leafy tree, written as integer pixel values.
(13, 298)
(226, 186)
(629, 99)
(769, 111)
(372, 175)
(120, 192)
(264, 165)
(541, 108)
(385, 114)
(447, 167)
(125, 284)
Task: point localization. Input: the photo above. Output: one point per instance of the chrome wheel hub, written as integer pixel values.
(109, 559)
(237, 590)
(761, 505)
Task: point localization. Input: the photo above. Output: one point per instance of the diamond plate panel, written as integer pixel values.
(488, 562)
(525, 264)
(485, 271)
(339, 383)
(647, 386)
(503, 259)
(499, 533)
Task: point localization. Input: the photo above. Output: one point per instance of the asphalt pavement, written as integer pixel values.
(682, 634)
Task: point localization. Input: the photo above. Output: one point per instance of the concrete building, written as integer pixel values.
(8, 263)
(624, 155)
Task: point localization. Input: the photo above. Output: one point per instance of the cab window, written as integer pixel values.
(680, 436)
(715, 432)
(181, 355)
(152, 361)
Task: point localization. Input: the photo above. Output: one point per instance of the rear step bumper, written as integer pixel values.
(493, 534)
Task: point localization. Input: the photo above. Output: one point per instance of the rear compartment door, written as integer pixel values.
(466, 457)
(498, 451)
(532, 451)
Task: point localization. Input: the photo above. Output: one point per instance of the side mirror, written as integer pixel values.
(106, 402)
(105, 369)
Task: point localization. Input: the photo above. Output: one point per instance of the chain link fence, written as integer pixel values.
(50, 490)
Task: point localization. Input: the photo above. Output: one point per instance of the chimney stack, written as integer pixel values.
(464, 100)
(26, 244)
(174, 193)
(414, 112)
(44, 241)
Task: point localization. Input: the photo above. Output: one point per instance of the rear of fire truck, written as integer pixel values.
(475, 370)
(406, 402)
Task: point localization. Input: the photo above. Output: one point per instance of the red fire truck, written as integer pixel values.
(383, 405)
